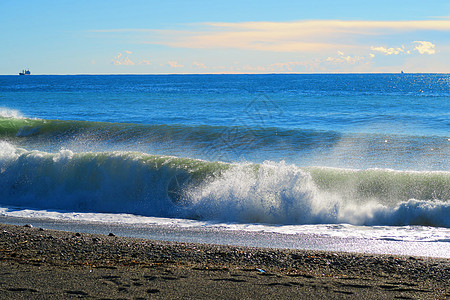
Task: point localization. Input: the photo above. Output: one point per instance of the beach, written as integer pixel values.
(39, 263)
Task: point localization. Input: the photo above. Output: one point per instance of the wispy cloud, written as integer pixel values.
(308, 36)
(120, 59)
(298, 46)
(389, 51)
(345, 59)
(174, 64)
(199, 65)
(124, 60)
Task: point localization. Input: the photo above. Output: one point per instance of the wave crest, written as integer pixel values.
(10, 113)
(167, 186)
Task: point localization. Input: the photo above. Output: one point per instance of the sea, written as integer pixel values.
(339, 162)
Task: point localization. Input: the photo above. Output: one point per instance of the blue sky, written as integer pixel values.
(160, 37)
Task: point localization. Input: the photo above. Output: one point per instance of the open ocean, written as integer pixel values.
(332, 162)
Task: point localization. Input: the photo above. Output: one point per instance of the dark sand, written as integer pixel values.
(47, 264)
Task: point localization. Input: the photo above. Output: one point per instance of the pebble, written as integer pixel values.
(60, 246)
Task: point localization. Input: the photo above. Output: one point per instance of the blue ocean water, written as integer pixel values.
(279, 152)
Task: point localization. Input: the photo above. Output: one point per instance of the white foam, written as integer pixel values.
(278, 193)
(270, 193)
(10, 113)
(394, 233)
(7, 149)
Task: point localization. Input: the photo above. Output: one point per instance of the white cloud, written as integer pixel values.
(199, 65)
(389, 51)
(174, 64)
(122, 60)
(343, 59)
(424, 47)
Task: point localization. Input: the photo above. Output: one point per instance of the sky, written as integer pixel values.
(234, 36)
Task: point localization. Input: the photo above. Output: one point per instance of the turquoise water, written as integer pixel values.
(275, 150)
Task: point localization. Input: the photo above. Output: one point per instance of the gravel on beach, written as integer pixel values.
(39, 263)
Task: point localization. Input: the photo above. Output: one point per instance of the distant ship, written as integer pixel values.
(25, 72)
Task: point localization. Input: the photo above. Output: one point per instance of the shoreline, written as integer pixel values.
(43, 263)
(354, 241)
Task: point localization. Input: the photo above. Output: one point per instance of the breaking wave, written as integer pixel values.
(270, 192)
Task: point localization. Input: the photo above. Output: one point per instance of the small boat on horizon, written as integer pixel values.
(25, 72)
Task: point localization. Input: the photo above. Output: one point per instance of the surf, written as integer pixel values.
(176, 187)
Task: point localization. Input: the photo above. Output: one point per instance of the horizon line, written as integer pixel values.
(286, 73)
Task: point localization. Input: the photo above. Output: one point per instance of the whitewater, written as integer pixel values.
(329, 162)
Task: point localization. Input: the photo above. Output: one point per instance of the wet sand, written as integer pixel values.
(45, 264)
